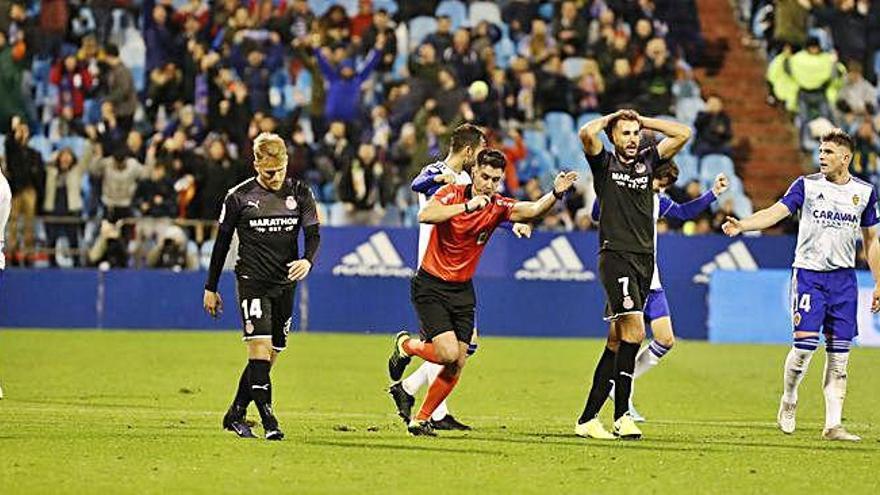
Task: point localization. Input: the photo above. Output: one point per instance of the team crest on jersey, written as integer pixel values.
(248, 327)
(290, 203)
(640, 168)
(482, 238)
(856, 199)
(628, 302)
(796, 319)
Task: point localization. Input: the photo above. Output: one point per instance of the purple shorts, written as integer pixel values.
(825, 302)
(656, 306)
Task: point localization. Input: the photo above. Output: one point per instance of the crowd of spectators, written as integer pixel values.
(125, 109)
(824, 64)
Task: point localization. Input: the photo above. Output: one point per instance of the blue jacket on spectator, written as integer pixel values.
(343, 94)
(257, 79)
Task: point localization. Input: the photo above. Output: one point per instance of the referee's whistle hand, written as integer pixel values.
(298, 269)
(213, 303)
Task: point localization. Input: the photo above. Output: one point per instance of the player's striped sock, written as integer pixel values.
(261, 391)
(834, 384)
(649, 357)
(796, 364)
(603, 378)
(624, 365)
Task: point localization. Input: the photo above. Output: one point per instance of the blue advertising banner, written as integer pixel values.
(755, 307)
(543, 286)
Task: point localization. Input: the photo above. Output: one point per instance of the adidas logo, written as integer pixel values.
(735, 257)
(374, 258)
(558, 261)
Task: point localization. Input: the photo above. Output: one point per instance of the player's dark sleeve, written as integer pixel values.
(685, 211)
(228, 219)
(794, 197)
(310, 223)
(869, 216)
(598, 163)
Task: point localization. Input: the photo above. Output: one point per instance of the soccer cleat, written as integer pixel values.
(402, 400)
(449, 423)
(839, 433)
(234, 421)
(626, 429)
(785, 418)
(275, 434)
(418, 428)
(398, 361)
(592, 429)
(638, 418)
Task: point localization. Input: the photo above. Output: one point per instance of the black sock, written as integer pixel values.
(243, 394)
(261, 391)
(602, 379)
(623, 377)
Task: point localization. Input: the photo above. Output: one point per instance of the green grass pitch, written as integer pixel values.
(139, 412)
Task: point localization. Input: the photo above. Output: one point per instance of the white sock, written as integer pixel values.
(796, 364)
(834, 387)
(422, 376)
(648, 357)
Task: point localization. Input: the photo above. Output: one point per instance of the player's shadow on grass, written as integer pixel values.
(409, 448)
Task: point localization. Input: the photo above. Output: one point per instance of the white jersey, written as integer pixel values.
(655, 280)
(831, 217)
(5, 207)
(438, 168)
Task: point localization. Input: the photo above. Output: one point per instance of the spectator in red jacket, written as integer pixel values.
(73, 81)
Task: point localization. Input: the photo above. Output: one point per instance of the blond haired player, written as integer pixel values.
(267, 211)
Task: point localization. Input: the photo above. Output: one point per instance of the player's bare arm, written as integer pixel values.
(436, 212)
(872, 253)
(677, 135)
(760, 220)
(589, 133)
(526, 211)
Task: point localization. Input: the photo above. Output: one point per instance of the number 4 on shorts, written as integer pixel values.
(805, 303)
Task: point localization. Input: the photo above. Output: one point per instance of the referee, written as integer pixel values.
(623, 182)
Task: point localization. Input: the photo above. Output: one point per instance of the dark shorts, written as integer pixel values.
(443, 306)
(657, 305)
(266, 311)
(626, 278)
(825, 302)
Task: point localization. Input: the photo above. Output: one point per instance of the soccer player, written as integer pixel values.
(623, 183)
(834, 206)
(466, 142)
(442, 291)
(657, 313)
(5, 207)
(267, 211)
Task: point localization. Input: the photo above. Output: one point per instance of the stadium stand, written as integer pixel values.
(195, 81)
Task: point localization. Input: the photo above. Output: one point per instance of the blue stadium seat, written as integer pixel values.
(714, 164)
(419, 28)
(573, 67)
(586, 117)
(389, 6)
(2, 144)
(687, 167)
(76, 144)
(558, 122)
(139, 74)
(535, 139)
(41, 144)
(504, 51)
(538, 163)
(823, 37)
(485, 11)
(686, 109)
(456, 10)
(742, 206)
(545, 10)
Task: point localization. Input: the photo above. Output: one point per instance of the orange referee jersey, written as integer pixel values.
(456, 245)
